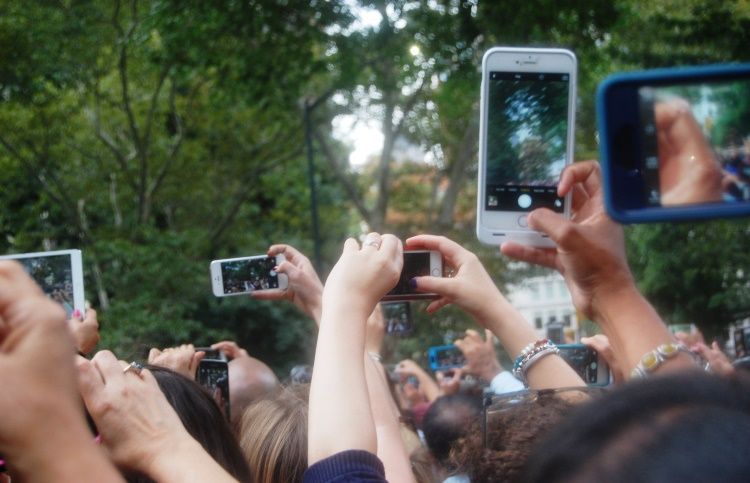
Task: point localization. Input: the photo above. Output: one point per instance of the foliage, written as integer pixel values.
(157, 135)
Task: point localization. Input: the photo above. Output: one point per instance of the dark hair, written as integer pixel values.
(684, 427)
(511, 435)
(449, 418)
(203, 419)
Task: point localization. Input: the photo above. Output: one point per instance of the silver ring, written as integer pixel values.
(372, 243)
(134, 367)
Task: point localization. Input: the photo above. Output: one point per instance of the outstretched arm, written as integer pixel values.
(340, 416)
(473, 290)
(590, 254)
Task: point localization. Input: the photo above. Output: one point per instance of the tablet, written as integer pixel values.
(58, 273)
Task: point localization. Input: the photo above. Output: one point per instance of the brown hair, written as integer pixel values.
(273, 435)
(511, 436)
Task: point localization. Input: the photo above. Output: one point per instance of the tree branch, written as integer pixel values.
(340, 172)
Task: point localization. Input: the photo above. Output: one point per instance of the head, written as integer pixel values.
(511, 434)
(249, 380)
(689, 426)
(203, 419)
(448, 419)
(273, 435)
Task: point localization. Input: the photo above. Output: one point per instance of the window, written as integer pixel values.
(534, 289)
(567, 320)
(548, 290)
(538, 321)
(562, 289)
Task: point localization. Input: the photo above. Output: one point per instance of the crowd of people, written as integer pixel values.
(679, 410)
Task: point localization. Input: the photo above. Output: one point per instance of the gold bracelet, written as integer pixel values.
(652, 360)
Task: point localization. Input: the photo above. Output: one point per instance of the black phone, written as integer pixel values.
(214, 376)
(212, 354)
(675, 143)
(397, 317)
(417, 263)
(587, 363)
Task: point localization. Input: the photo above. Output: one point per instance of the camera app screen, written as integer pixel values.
(695, 140)
(243, 276)
(527, 127)
(584, 361)
(416, 264)
(215, 378)
(54, 274)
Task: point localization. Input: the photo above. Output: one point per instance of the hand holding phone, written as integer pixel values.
(526, 134)
(469, 287)
(586, 361)
(237, 276)
(417, 263)
(590, 251)
(675, 143)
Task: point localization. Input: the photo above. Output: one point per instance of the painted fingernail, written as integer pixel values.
(412, 283)
(77, 313)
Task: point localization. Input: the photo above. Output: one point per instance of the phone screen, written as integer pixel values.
(416, 264)
(583, 360)
(446, 357)
(527, 127)
(242, 276)
(695, 142)
(214, 376)
(54, 274)
(397, 317)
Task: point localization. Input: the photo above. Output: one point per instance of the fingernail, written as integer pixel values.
(412, 283)
(77, 313)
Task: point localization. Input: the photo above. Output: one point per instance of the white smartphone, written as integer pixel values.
(526, 132)
(237, 276)
(417, 263)
(59, 274)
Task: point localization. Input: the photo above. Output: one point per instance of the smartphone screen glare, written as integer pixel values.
(527, 125)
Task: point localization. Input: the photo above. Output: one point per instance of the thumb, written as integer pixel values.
(489, 335)
(153, 354)
(563, 232)
(439, 285)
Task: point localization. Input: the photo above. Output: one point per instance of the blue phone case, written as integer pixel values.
(615, 188)
(433, 356)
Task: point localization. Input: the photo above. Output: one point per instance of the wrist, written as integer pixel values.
(490, 371)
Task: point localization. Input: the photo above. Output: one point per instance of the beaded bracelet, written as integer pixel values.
(530, 355)
(651, 360)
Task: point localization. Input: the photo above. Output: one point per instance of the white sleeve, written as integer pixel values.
(505, 382)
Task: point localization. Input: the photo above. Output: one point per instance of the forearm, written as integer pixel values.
(391, 449)
(339, 416)
(515, 333)
(427, 384)
(634, 328)
(184, 462)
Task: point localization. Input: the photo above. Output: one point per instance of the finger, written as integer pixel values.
(715, 346)
(91, 316)
(195, 360)
(290, 253)
(109, 367)
(585, 172)
(445, 287)
(460, 343)
(90, 382)
(289, 269)
(579, 198)
(439, 377)
(453, 253)
(372, 241)
(351, 245)
(272, 294)
(391, 245)
(153, 354)
(76, 315)
(473, 335)
(436, 305)
(563, 232)
(489, 337)
(545, 257)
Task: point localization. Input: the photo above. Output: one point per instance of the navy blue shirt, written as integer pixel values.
(347, 466)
